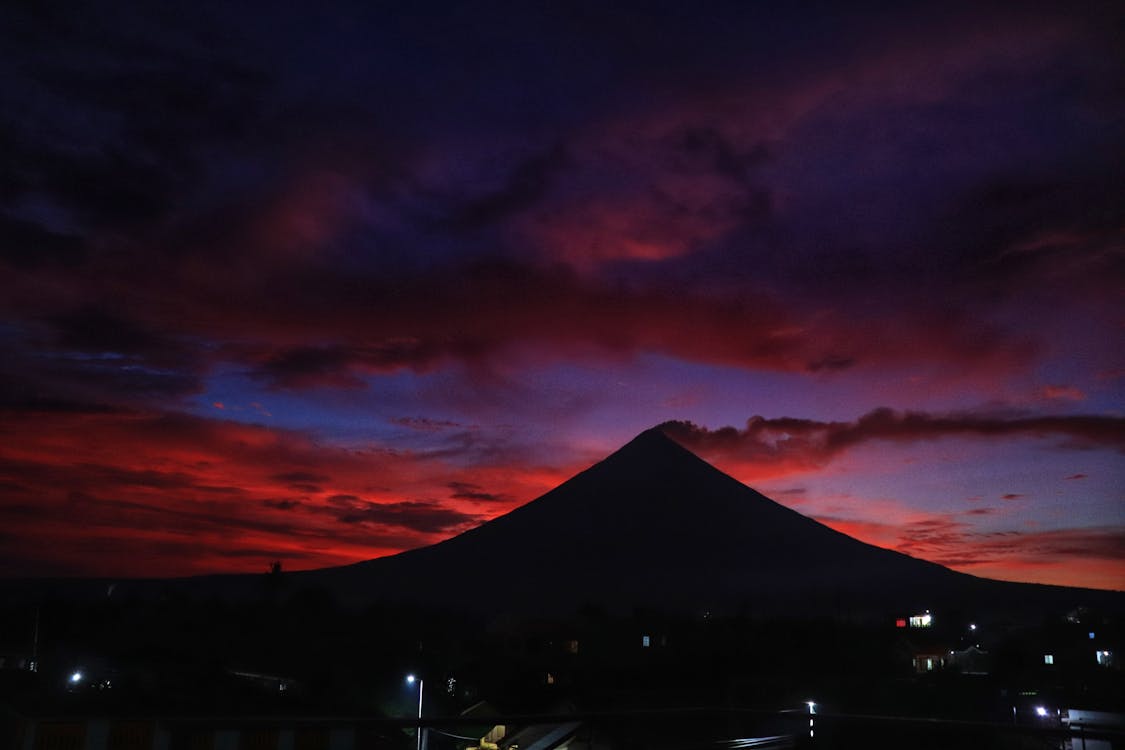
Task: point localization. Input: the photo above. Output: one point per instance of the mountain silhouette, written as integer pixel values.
(655, 526)
(652, 526)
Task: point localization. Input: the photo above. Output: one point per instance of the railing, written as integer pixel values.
(712, 728)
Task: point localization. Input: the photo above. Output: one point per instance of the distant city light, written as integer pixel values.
(410, 679)
(1040, 711)
(972, 626)
(76, 678)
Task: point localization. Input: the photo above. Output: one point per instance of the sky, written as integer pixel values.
(320, 284)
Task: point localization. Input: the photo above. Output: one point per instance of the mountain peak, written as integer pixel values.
(652, 440)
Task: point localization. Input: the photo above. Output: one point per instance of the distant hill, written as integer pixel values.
(655, 526)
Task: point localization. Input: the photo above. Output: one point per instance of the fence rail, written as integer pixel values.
(697, 726)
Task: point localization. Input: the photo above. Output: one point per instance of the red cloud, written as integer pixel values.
(166, 494)
(1066, 557)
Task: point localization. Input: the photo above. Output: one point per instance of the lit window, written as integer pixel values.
(1091, 635)
(1105, 658)
(572, 647)
(1048, 658)
(900, 623)
(921, 621)
(645, 641)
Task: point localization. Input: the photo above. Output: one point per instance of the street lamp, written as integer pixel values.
(410, 679)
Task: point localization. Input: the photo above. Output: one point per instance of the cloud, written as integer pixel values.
(151, 480)
(423, 517)
(316, 250)
(425, 424)
(1049, 556)
(299, 477)
(525, 185)
(28, 245)
(1061, 393)
(470, 491)
(810, 443)
(282, 504)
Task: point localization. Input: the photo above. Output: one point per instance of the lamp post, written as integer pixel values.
(410, 681)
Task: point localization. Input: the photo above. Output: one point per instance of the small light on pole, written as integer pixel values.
(410, 679)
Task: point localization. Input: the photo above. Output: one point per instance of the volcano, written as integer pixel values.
(655, 526)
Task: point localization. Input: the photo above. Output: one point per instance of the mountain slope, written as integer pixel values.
(654, 525)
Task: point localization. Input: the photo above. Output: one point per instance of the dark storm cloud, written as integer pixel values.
(1042, 230)
(336, 365)
(1034, 547)
(475, 312)
(948, 541)
(303, 481)
(94, 329)
(306, 477)
(255, 205)
(710, 149)
(118, 109)
(787, 438)
(283, 504)
(102, 476)
(182, 518)
(83, 478)
(470, 491)
(27, 245)
(425, 424)
(421, 517)
(77, 381)
(524, 186)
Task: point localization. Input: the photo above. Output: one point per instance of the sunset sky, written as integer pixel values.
(319, 286)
